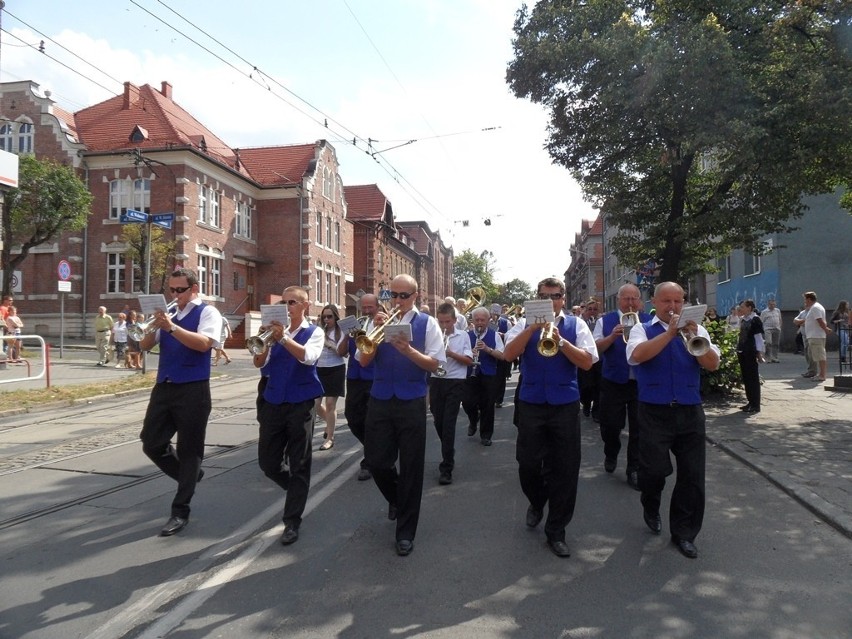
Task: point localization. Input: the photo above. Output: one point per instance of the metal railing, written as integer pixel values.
(45, 359)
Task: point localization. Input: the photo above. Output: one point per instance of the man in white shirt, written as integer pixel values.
(771, 318)
(816, 330)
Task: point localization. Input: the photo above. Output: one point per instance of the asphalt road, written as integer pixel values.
(81, 508)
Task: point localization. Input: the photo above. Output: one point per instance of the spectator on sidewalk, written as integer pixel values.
(220, 349)
(119, 338)
(750, 348)
(840, 322)
(14, 326)
(816, 331)
(133, 358)
(4, 312)
(771, 319)
(103, 329)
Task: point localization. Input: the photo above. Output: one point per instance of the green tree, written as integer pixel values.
(514, 292)
(697, 125)
(162, 254)
(50, 199)
(471, 270)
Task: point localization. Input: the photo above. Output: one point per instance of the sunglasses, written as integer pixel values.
(402, 296)
(550, 296)
(328, 316)
(289, 302)
(179, 289)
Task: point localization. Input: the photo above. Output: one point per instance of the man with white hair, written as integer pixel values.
(481, 385)
(103, 330)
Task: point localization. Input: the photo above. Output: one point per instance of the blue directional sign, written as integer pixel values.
(163, 219)
(384, 295)
(133, 216)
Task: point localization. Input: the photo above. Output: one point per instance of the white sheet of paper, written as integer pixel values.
(150, 303)
(398, 329)
(277, 312)
(694, 313)
(347, 323)
(537, 311)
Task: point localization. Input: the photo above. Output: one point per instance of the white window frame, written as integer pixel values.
(751, 264)
(7, 138)
(328, 297)
(214, 208)
(115, 272)
(243, 220)
(319, 227)
(319, 284)
(26, 133)
(125, 193)
(328, 228)
(724, 265)
(202, 203)
(203, 265)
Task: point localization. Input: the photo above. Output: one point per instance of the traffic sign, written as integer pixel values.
(133, 216)
(384, 295)
(64, 270)
(64, 287)
(163, 219)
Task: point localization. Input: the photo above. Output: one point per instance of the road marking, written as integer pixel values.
(181, 582)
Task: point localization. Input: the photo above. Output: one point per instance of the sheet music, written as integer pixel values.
(398, 329)
(538, 311)
(694, 313)
(277, 312)
(150, 303)
(348, 323)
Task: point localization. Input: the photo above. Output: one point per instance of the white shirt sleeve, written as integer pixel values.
(586, 341)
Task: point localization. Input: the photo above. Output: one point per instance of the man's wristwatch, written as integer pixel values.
(562, 342)
(172, 329)
(284, 339)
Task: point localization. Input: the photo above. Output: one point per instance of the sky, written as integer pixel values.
(418, 85)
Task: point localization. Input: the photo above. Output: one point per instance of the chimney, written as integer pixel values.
(166, 89)
(131, 95)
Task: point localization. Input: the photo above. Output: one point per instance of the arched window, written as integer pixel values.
(7, 138)
(25, 138)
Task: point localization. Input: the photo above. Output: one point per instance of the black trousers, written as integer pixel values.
(182, 410)
(504, 372)
(589, 382)
(286, 430)
(751, 377)
(478, 402)
(396, 428)
(618, 402)
(548, 454)
(445, 396)
(355, 408)
(677, 430)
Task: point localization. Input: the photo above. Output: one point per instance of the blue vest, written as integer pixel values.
(552, 380)
(487, 363)
(290, 381)
(180, 364)
(614, 366)
(673, 375)
(394, 374)
(354, 370)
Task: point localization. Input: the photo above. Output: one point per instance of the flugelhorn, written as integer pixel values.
(441, 371)
(137, 332)
(695, 344)
(475, 297)
(258, 344)
(548, 343)
(367, 344)
(628, 321)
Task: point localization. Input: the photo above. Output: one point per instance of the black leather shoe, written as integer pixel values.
(200, 475)
(686, 548)
(445, 479)
(745, 408)
(753, 409)
(392, 512)
(289, 536)
(486, 442)
(653, 521)
(633, 479)
(586, 411)
(173, 525)
(471, 430)
(609, 464)
(404, 547)
(533, 517)
(364, 474)
(559, 548)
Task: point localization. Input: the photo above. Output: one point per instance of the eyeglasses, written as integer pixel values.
(550, 296)
(179, 289)
(402, 296)
(289, 302)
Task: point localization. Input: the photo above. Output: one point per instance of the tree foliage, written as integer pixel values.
(162, 254)
(697, 125)
(514, 292)
(471, 270)
(50, 199)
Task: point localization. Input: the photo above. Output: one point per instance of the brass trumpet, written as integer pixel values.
(258, 344)
(361, 329)
(367, 344)
(138, 331)
(441, 371)
(695, 344)
(548, 343)
(628, 321)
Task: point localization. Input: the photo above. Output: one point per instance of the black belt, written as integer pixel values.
(104, 331)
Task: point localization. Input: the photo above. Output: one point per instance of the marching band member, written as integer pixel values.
(446, 388)
(481, 385)
(286, 412)
(618, 391)
(359, 381)
(671, 414)
(548, 447)
(180, 400)
(500, 323)
(396, 416)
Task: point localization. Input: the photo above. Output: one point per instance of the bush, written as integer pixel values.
(727, 377)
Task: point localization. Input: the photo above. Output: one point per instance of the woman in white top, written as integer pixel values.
(14, 324)
(331, 369)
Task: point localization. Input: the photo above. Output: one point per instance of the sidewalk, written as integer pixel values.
(801, 440)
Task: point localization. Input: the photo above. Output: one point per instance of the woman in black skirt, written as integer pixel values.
(331, 368)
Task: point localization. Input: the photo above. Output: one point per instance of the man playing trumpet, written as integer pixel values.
(618, 391)
(671, 415)
(548, 447)
(286, 409)
(180, 400)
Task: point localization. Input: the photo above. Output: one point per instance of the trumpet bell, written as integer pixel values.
(696, 345)
(367, 344)
(548, 343)
(628, 321)
(258, 344)
(138, 331)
